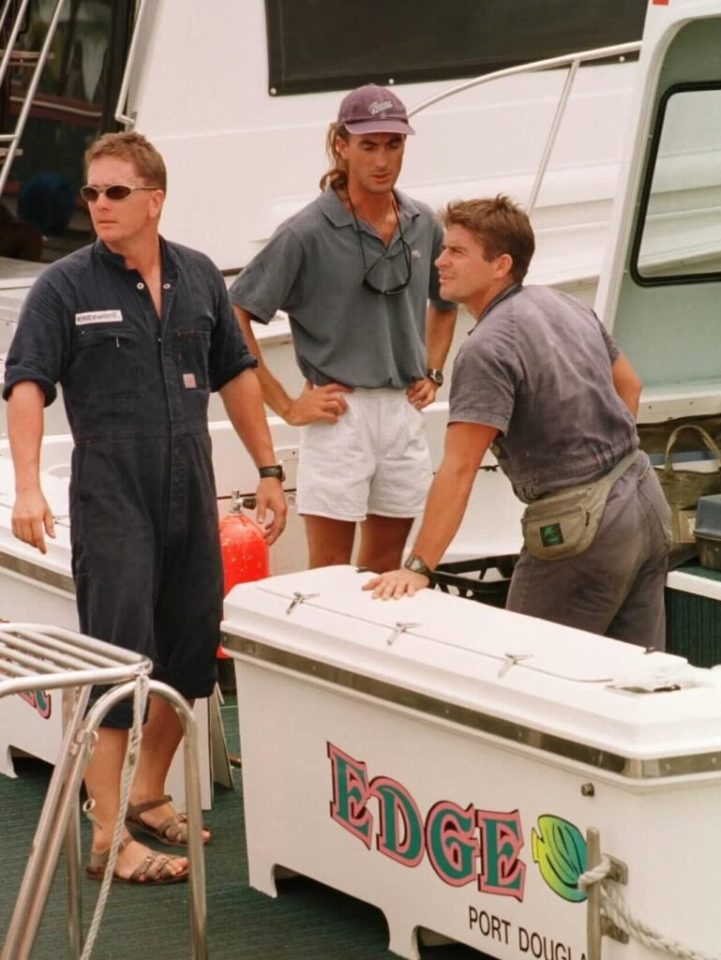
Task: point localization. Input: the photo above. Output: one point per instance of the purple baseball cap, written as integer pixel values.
(373, 109)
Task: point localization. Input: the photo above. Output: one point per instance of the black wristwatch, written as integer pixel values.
(436, 376)
(275, 471)
(418, 565)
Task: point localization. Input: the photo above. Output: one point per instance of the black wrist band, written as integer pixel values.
(276, 471)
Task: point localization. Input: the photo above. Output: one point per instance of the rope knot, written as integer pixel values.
(595, 875)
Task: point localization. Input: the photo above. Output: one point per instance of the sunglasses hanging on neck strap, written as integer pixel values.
(368, 270)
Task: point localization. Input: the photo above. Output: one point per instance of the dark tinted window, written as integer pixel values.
(74, 102)
(332, 45)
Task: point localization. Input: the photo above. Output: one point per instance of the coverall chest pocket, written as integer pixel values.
(192, 348)
(105, 362)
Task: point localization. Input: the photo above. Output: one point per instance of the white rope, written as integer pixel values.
(618, 912)
(132, 755)
(596, 875)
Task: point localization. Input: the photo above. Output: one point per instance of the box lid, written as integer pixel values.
(592, 699)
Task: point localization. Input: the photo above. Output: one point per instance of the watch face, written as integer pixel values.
(436, 376)
(416, 565)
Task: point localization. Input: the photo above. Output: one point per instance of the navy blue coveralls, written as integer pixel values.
(143, 514)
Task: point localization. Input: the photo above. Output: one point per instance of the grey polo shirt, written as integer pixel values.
(312, 267)
(538, 367)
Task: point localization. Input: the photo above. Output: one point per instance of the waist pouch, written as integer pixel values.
(565, 524)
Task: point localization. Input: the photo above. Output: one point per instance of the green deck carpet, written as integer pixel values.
(307, 922)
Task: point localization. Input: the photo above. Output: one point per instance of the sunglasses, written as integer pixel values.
(384, 258)
(386, 291)
(118, 191)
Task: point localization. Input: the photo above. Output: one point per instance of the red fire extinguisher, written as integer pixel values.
(245, 552)
(244, 549)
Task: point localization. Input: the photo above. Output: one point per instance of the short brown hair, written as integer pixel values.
(500, 225)
(135, 148)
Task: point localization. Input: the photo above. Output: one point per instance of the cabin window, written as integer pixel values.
(316, 45)
(679, 233)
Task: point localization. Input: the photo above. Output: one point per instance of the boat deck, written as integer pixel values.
(307, 922)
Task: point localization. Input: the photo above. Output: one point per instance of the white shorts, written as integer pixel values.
(375, 460)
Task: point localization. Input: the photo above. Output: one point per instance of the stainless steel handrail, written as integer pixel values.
(128, 120)
(4, 13)
(12, 38)
(14, 139)
(104, 664)
(551, 138)
(570, 60)
(599, 53)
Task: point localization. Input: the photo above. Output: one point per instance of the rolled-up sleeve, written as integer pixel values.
(39, 349)
(229, 354)
(486, 375)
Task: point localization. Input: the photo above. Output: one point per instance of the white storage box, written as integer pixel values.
(443, 760)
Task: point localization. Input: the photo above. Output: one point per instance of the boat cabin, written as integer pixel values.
(238, 97)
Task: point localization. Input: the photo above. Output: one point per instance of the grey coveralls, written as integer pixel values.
(144, 525)
(538, 368)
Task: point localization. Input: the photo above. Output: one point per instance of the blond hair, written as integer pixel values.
(136, 149)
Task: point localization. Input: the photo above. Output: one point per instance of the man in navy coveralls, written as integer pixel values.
(137, 331)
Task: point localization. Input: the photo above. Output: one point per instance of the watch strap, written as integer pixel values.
(275, 470)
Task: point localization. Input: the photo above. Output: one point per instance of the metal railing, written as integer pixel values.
(39, 657)
(13, 139)
(571, 60)
(128, 119)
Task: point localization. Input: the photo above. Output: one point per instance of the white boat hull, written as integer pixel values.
(392, 751)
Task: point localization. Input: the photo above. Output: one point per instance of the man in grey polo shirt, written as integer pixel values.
(354, 271)
(541, 379)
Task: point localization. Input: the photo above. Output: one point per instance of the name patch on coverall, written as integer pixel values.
(98, 316)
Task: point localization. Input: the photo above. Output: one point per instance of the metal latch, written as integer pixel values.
(299, 598)
(399, 629)
(511, 659)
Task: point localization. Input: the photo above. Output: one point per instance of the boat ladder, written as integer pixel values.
(13, 57)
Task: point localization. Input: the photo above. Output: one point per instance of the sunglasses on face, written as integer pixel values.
(117, 191)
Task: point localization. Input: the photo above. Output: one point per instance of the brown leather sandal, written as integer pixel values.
(152, 872)
(173, 831)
